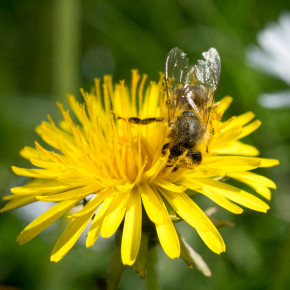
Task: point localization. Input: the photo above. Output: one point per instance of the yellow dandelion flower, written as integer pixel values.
(121, 170)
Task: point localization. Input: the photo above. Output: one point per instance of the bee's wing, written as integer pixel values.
(176, 70)
(191, 86)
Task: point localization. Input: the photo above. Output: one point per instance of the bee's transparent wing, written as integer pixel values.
(176, 70)
(192, 86)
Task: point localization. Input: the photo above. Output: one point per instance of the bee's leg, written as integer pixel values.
(212, 133)
(176, 151)
(145, 121)
(195, 157)
(165, 146)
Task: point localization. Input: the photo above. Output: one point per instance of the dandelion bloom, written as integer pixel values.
(122, 171)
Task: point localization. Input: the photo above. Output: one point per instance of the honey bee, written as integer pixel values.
(190, 93)
(190, 96)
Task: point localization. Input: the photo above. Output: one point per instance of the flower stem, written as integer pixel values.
(152, 277)
(115, 270)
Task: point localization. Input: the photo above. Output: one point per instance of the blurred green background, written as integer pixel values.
(50, 48)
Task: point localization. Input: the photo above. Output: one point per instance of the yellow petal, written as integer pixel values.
(156, 168)
(124, 187)
(69, 237)
(94, 232)
(235, 194)
(265, 162)
(245, 175)
(132, 229)
(16, 202)
(244, 118)
(152, 100)
(51, 166)
(29, 152)
(199, 171)
(258, 182)
(250, 128)
(220, 200)
(115, 214)
(169, 185)
(120, 99)
(97, 222)
(213, 240)
(10, 197)
(227, 134)
(44, 220)
(153, 204)
(76, 107)
(34, 173)
(168, 239)
(187, 209)
(92, 204)
(188, 181)
(41, 186)
(232, 163)
(236, 148)
(262, 190)
(81, 192)
(223, 104)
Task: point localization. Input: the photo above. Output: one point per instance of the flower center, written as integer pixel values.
(139, 147)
